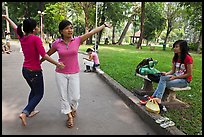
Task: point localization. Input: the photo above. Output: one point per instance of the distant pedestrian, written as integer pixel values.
(32, 48)
(50, 40)
(8, 42)
(68, 78)
(5, 48)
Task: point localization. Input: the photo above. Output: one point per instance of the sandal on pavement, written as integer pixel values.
(161, 119)
(73, 113)
(167, 124)
(33, 113)
(70, 122)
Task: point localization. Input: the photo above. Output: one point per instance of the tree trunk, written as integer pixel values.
(102, 22)
(86, 27)
(165, 40)
(113, 36)
(169, 29)
(200, 43)
(125, 29)
(141, 26)
(85, 6)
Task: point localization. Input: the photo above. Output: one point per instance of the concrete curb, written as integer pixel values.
(133, 102)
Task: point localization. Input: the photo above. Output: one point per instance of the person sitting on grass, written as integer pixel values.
(92, 61)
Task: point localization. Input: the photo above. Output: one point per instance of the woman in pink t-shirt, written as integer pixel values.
(32, 48)
(67, 79)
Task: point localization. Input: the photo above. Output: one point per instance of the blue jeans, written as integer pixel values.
(95, 65)
(165, 82)
(35, 81)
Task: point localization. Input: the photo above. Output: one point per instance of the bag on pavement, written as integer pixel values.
(152, 106)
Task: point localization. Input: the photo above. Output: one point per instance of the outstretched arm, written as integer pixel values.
(92, 32)
(10, 21)
(49, 53)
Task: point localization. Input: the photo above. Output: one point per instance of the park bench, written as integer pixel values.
(169, 98)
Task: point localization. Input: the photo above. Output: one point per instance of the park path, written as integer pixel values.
(101, 111)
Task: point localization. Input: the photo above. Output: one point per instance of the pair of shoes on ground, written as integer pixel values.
(165, 122)
(144, 100)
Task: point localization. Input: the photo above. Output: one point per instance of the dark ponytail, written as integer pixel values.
(28, 26)
(19, 30)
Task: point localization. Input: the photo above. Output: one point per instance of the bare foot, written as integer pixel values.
(22, 116)
(158, 100)
(70, 122)
(33, 113)
(73, 113)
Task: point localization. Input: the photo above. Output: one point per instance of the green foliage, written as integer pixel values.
(194, 11)
(119, 62)
(193, 46)
(154, 20)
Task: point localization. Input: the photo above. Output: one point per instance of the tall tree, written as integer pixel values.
(154, 22)
(102, 20)
(194, 16)
(173, 17)
(87, 7)
(142, 25)
(130, 20)
(117, 12)
(126, 29)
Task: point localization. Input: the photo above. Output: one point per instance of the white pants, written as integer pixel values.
(69, 88)
(88, 63)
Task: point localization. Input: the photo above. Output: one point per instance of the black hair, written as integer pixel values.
(28, 26)
(184, 50)
(89, 49)
(62, 25)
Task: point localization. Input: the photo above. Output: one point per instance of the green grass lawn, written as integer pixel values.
(119, 62)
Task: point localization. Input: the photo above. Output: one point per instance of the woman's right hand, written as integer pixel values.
(60, 65)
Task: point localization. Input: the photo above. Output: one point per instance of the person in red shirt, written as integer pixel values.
(32, 48)
(180, 74)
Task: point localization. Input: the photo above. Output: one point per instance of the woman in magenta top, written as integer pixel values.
(67, 79)
(32, 48)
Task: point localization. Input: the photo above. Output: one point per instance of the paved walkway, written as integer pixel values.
(101, 111)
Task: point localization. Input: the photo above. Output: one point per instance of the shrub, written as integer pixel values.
(193, 46)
